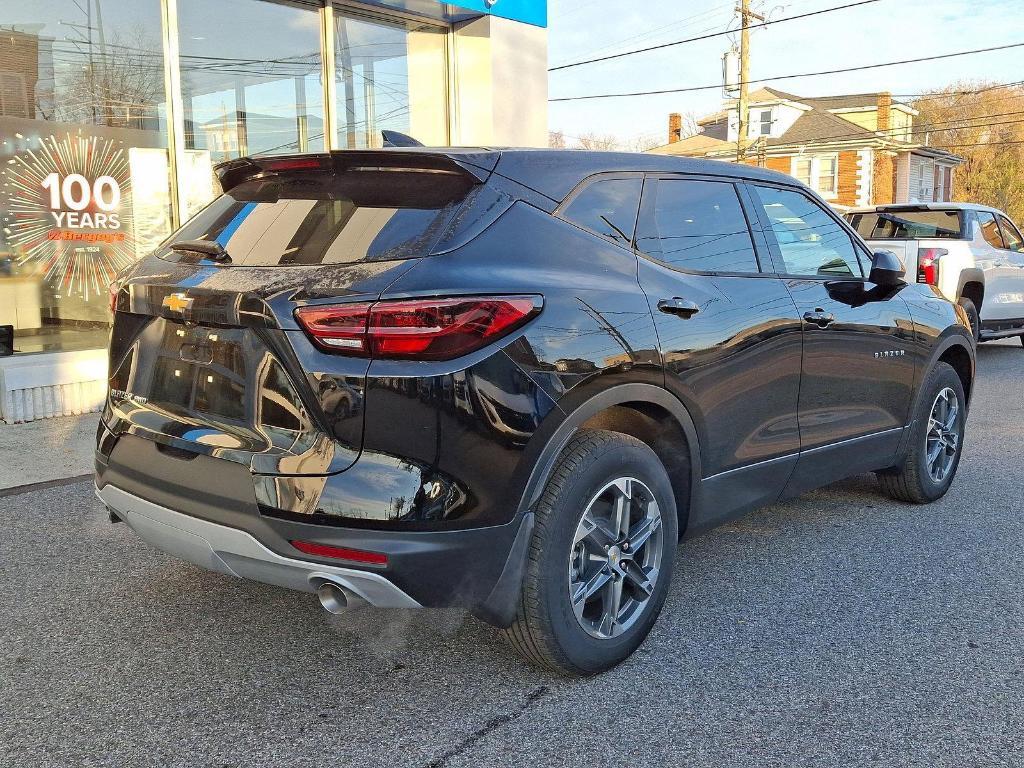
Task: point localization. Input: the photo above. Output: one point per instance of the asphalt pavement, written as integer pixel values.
(840, 628)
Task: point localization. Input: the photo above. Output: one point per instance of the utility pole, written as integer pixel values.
(745, 16)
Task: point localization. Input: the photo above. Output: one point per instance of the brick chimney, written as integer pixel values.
(675, 127)
(884, 110)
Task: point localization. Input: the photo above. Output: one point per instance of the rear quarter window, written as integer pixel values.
(907, 225)
(328, 218)
(607, 207)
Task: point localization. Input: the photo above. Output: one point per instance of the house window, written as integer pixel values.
(802, 170)
(828, 175)
(760, 122)
(819, 172)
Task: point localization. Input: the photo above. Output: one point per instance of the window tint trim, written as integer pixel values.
(776, 250)
(753, 231)
(584, 185)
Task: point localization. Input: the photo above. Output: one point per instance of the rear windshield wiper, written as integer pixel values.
(211, 249)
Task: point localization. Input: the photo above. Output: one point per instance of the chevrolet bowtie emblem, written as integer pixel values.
(177, 302)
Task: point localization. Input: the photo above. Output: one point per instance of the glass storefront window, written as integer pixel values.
(389, 75)
(84, 177)
(250, 81)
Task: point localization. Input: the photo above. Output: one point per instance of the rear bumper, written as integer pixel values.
(237, 553)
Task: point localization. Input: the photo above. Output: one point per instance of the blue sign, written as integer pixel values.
(533, 12)
(528, 11)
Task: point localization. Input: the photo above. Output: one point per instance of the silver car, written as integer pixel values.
(973, 254)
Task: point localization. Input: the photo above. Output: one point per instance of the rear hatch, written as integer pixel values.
(906, 231)
(206, 355)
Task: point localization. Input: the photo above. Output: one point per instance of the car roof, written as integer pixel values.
(552, 172)
(926, 207)
(555, 172)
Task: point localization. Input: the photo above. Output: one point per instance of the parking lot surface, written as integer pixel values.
(839, 628)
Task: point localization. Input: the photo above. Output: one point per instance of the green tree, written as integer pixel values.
(984, 125)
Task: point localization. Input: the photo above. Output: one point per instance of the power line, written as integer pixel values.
(684, 23)
(935, 95)
(943, 125)
(861, 68)
(979, 144)
(707, 37)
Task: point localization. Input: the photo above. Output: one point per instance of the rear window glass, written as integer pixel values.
(326, 218)
(906, 225)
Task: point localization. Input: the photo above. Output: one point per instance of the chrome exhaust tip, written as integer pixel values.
(335, 598)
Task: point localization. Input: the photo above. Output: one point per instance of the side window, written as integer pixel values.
(1011, 235)
(695, 225)
(811, 242)
(608, 208)
(990, 229)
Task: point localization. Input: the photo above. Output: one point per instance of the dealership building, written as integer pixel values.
(113, 114)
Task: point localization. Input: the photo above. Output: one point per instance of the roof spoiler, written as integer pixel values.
(234, 172)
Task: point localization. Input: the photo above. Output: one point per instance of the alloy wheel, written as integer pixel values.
(615, 559)
(943, 438)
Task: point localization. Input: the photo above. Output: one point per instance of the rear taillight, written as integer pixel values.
(928, 264)
(417, 329)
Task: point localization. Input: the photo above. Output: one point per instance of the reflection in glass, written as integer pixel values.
(256, 91)
(84, 179)
(389, 76)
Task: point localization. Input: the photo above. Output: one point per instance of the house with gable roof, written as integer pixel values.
(854, 150)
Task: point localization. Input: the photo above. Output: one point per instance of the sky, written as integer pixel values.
(887, 30)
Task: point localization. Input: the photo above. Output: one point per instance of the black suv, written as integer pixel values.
(511, 379)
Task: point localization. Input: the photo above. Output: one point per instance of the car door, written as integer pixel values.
(997, 260)
(729, 334)
(1010, 295)
(859, 361)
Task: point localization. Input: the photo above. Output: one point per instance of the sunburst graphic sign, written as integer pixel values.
(68, 212)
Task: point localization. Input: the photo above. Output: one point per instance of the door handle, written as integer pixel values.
(677, 306)
(820, 318)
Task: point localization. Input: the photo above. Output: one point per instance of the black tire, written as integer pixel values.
(546, 631)
(912, 481)
(973, 316)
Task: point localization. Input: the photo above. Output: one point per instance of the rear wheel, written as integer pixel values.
(936, 441)
(973, 316)
(601, 556)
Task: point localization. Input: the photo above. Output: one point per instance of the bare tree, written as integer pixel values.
(689, 125)
(556, 140)
(119, 86)
(601, 142)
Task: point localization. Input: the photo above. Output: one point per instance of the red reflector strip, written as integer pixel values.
(340, 553)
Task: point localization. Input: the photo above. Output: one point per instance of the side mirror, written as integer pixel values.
(886, 269)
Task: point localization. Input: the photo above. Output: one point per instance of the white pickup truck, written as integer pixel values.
(973, 254)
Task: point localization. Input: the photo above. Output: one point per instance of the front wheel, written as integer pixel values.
(936, 441)
(600, 558)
